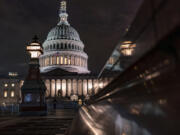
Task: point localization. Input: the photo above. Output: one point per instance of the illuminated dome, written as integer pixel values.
(63, 48)
(63, 31)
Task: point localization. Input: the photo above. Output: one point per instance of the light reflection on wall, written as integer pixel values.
(96, 86)
(105, 82)
(100, 84)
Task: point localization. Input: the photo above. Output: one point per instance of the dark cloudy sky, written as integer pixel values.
(100, 23)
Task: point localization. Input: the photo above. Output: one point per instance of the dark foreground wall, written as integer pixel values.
(143, 100)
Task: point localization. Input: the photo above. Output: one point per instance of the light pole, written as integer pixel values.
(33, 89)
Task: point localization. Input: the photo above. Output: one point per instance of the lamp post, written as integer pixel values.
(33, 89)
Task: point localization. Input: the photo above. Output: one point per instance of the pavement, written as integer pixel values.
(56, 123)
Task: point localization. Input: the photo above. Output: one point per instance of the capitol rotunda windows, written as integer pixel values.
(63, 60)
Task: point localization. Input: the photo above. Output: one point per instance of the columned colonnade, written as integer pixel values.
(79, 87)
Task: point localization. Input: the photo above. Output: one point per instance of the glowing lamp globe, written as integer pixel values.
(34, 49)
(127, 48)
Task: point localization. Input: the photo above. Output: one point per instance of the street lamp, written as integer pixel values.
(33, 90)
(34, 49)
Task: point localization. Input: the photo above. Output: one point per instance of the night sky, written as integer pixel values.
(100, 23)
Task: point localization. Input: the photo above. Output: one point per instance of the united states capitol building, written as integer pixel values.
(63, 66)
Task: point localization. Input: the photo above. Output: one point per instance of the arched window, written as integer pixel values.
(65, 46)
(61, 45)
(72, 46)
(5, 94)
(57, 60)
(12, 94)
(69, 60)
(54, 46)
(69, 46)
(51, 47)
(61, 60)
(58, 46)
(65, 60)
(54, 60)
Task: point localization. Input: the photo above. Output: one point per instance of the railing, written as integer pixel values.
(9, 110)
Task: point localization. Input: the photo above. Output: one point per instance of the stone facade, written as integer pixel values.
(10, 91)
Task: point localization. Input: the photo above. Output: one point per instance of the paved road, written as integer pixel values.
(55, 124)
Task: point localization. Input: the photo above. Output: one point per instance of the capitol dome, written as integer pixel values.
(63, 32)
(63, 48)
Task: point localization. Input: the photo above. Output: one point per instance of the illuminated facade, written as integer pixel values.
(73, 86)
(64, 64)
